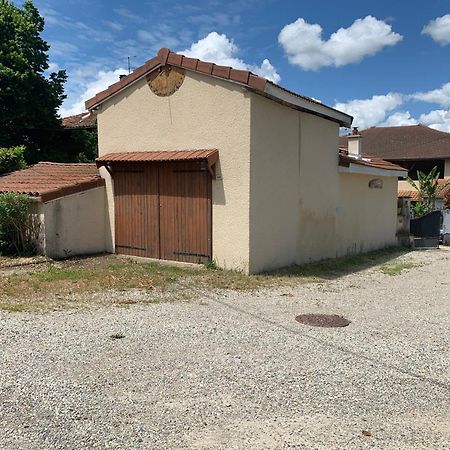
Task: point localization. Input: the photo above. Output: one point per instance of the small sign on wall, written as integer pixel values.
(376, 183)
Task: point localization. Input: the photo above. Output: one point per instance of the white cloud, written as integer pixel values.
(59, 48)
(441, 96)
(130, 15)
(159, 39)
(381, 110)
(92, 33)
(116, 26)
(372, 111)
(438, 119)
(218, 48)
(439, 29)
(399, 118)
(52, 67)
(304, 46)
(101, 81)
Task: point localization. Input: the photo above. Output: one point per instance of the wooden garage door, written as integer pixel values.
(163, 210)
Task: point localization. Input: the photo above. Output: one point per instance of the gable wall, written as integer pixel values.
(204, 113)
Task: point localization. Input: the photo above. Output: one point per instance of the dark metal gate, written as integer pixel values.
(426, 226)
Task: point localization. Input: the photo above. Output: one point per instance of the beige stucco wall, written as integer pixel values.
(404, 185)
(366, 218)
(302, 208)
(204, 113)
(76, 224)
(274, 174)
(447, 168)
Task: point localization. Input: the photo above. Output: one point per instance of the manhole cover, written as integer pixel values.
(323, 320)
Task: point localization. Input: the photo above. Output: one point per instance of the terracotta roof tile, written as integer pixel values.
(205, 67)
(221, 71)
(175, 59)
(189, 63)
(173, 155)
(405, 142)
(83, 120)
(164, 55)
(410, 193)
(256, 82)
(367, 160)
(241, 76)
(52, 180)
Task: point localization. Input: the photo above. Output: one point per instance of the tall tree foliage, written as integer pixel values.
(29, 101)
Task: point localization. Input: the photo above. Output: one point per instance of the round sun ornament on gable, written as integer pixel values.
(165, 82)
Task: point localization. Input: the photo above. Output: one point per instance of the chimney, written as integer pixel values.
(354, 143)
(122, 76)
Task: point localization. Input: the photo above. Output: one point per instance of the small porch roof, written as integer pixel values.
(211, 156)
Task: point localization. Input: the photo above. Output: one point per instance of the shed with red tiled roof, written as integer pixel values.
(203, 162)
(70, 205)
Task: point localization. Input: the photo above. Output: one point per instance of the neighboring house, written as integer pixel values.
(207, 162)
(414, 147)
(70, 205)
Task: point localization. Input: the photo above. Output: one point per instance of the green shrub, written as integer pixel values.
(19, 229)
(11, 159)
(420, 208)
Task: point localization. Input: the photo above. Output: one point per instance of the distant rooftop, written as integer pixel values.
(404, 143)
(83, 120)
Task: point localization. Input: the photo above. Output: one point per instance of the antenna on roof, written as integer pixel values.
(129, 63)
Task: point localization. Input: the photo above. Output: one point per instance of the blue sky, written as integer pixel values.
(385, 62)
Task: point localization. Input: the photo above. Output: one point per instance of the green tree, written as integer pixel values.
(11, 159)
(29, 101)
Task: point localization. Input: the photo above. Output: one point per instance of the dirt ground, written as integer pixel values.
(140, 366)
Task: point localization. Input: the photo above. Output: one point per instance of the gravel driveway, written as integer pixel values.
(236, 371)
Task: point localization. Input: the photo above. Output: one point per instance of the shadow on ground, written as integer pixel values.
(330, 269)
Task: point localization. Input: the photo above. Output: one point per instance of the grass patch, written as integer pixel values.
(397, 267)
(14, 307)
(334, 268)
(58, 284)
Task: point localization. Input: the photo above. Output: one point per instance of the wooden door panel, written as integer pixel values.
(136, 209)
(185, 212)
